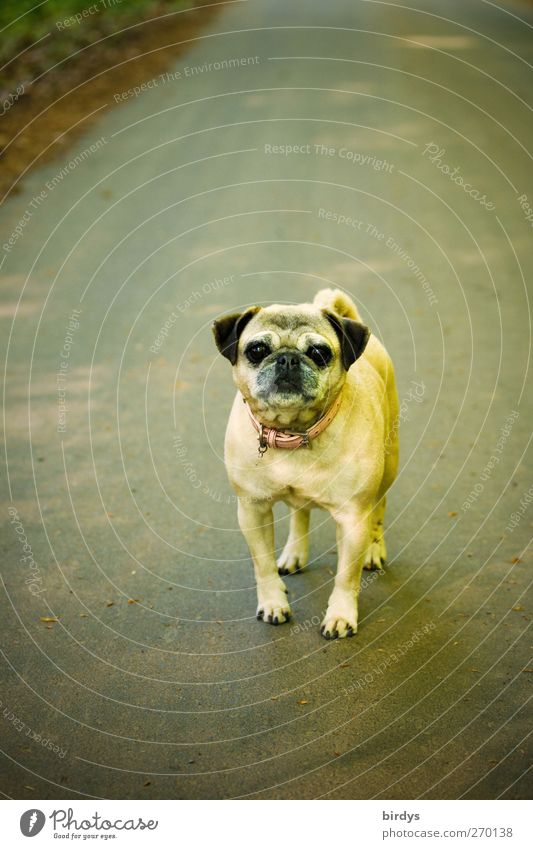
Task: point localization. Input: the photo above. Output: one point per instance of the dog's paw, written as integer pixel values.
(341, 618)
(272, 603)
(376, 556)
(293, 558)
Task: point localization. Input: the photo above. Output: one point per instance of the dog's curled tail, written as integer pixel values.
(336, 301)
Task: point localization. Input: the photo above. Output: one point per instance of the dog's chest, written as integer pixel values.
(299, 478)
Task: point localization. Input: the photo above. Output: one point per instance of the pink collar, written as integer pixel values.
(271, 437)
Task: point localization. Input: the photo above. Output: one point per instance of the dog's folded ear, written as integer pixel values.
(228, 329)
(353, 337)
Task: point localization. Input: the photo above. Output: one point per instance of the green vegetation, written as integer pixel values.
(71, 23)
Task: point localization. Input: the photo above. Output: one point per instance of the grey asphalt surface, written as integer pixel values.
(156, 681)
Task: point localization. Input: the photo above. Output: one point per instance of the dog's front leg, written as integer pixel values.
(352, 542)
(256, 521)
(294, 556)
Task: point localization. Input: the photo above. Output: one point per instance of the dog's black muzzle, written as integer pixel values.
(288, 372)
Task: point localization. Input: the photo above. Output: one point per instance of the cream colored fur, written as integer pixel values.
(347, 471)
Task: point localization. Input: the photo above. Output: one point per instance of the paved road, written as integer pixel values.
(363, 144)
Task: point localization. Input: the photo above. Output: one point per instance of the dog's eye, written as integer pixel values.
(320, 354)
(257, 351)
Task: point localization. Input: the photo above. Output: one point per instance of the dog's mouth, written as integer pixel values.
(288, 386)
(287, 391)
(292, 382)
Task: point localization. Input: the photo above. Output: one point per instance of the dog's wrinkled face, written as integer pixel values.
(289, 362)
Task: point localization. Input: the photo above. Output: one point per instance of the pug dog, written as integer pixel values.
(314, 424)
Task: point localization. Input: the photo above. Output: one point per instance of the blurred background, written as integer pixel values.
(162, 165)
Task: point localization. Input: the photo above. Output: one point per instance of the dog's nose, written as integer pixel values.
(288, 362)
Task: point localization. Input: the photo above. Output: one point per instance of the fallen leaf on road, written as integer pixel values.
(518, 607)
(303, 702)
(133, 601)
(452, 513)
(49, 619)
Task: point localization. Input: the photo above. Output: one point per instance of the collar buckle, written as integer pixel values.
(263, 445)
